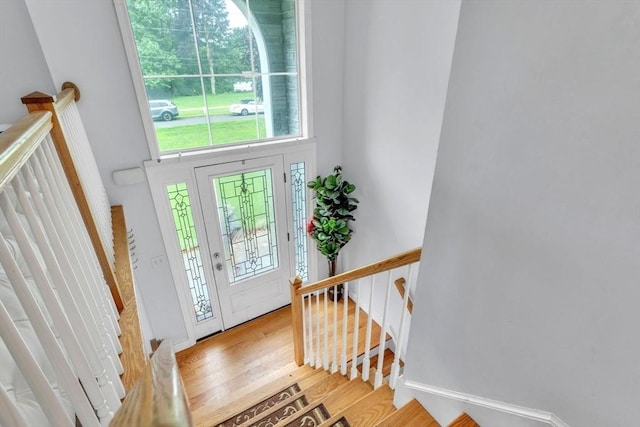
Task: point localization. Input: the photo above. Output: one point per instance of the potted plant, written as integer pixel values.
(334, 208)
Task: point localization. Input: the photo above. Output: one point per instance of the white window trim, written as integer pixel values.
(303, 35)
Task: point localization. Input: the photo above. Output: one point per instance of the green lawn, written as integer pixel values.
(193, 106)
(192, 136)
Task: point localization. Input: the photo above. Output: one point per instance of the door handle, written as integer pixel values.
(219, 266)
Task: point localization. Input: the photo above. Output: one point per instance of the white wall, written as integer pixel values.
(398, 57)
(23, 67)
(528, 290)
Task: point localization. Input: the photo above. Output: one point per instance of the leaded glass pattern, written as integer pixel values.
(299, 210)
(247, 221)
(186, 233)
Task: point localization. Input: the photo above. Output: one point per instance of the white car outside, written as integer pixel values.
(247, 106)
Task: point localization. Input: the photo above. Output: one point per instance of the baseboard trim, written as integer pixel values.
(508, 408)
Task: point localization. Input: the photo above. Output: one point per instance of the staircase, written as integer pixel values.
(319, 398)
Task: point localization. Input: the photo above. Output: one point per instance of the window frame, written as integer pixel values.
(303, 41)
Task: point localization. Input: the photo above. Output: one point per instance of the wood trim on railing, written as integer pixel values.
(133, 356)
(38, 101)
(401, 290)
(158, 398)
(396, 261)
(297, 321)
(19, 141)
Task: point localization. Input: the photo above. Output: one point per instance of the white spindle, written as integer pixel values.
(395, 366)
(318, 349)
(40, 324)
(95, 285)
(383, 334)
(79, 279)
(61, 320)
(356, 330)
(325, 350)
(311, 357)
(10, 415)
(22, 355)
(84, 161)
(366, 363)
(62, 184)
(334, 361)
(305, 337)
(101, 365)
(345, 315)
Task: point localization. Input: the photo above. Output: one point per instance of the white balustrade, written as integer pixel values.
(367, 290)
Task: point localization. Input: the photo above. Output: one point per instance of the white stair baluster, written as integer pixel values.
(51, 406)
(334, 361)
(318, 349)
(41, 326)
(10, 415)
(395, 367)
(66, 206)
(60, 319)
(102, 367)
(326, 331)
(366, 363)
(345, 316)
(356, 330)
(383, 334)
(311, 355)
(79, 280)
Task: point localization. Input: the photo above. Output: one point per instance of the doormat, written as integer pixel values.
(261, 407)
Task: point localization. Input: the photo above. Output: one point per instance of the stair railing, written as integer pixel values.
(317, 340)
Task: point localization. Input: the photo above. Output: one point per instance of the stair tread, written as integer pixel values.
(366, 411)
(464, 420)
(411, 414)
(312, 394)
(304, 376)
(338, 399)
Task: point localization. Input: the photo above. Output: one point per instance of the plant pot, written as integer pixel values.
(334, 292)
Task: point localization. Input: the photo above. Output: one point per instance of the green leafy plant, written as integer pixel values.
(329, 226)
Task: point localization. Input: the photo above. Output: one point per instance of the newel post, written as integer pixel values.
(297, 321)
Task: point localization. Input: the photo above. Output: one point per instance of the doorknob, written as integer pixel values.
(219, 266)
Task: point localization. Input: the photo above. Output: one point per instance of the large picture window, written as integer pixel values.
(218, 72)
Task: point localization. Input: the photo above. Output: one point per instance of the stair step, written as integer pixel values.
(464, 420)
(411, 414)
(298, 403)
(304, 377)
(367, 411)
(337, 400)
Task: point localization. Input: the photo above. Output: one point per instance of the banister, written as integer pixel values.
(38, 101)
(297, 322)
(19, 141)
(158, 398)
(396, 261)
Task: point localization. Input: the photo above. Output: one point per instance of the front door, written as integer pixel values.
(243, 204)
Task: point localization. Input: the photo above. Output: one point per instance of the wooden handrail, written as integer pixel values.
(38, 101)
(158, 398)
(396, 261)
(19, 141)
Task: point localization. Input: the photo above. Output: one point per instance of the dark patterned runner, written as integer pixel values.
(261, 407)
(282, 413)
(311, 418)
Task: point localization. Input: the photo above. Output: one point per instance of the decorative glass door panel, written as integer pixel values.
(244, 210)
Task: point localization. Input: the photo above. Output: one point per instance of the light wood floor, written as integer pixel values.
(228, 365)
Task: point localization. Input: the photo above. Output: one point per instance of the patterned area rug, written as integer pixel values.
(282, 413)
(263, 406)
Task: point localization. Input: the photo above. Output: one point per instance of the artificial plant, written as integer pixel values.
(332, 214)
